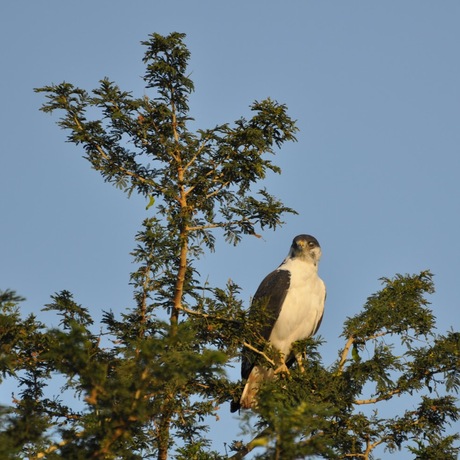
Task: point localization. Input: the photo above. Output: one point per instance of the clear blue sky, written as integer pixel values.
(375, 87)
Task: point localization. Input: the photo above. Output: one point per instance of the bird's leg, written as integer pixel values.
(298, 358)
(282, 368)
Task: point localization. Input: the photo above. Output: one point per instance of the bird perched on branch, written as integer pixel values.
(290, 304)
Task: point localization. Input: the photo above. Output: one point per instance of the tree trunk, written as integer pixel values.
(163, 437)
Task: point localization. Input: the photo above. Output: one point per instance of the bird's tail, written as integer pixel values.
(256, 377)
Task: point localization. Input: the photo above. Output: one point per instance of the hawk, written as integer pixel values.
(293, 297)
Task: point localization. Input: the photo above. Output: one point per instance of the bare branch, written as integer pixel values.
(261, 353)
(351, 340)
(344, 354)
(384, 397)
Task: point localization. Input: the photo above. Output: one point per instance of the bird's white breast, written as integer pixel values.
(302, 308)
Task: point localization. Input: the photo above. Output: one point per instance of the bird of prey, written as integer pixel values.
(293, 299)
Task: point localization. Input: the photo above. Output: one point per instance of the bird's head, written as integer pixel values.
(306, 247)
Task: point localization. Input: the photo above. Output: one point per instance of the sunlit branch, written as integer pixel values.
(345, 351)
(207, 315)
(261, 353)
(351, 340)
(384, 397)
(244, 450)
(54, 447)
(197, 153)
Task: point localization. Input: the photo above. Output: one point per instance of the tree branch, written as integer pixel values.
(351, 340)
(245, 449)
(343, 356)
(206, 315)
(197, 153)
(106, 157)
(221, 225)
(261, 353)
(55, 447)
(384, 397)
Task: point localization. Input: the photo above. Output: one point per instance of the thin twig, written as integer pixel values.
(261, 353)
(378, 399)
(206, 315)
(198, 152)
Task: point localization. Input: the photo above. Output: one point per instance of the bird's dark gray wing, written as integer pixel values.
(321, 319)
(318, 325)
(265, 307)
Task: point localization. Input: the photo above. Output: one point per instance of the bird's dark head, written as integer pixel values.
(306, 247)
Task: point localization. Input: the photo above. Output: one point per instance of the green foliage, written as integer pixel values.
(334, 411)
(145, 383)
(143, 145)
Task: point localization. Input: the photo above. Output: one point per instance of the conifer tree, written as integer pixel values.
(147, 382)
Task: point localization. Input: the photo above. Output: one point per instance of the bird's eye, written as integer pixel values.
(311, 244)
